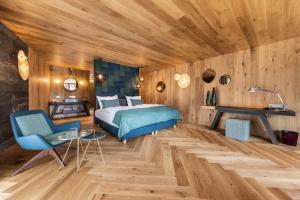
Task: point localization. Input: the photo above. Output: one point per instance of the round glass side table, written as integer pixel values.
(96, 137)
(72, 135)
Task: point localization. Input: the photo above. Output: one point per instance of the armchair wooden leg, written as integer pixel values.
(57, 157)
(30, 162)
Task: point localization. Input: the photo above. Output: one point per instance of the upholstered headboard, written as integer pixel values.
(119, 80)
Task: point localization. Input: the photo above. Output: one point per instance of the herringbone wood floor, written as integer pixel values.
(186, 163)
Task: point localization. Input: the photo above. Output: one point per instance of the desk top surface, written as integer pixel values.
(254, 111)
(68, 103)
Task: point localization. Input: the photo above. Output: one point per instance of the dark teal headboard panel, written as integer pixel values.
(120, 79)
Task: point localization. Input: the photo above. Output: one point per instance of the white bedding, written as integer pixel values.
(107, 115)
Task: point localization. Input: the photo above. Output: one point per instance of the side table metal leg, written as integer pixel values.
(78, 152)
(63, 160)
(82, 149)
(100, 151)
(83, 157)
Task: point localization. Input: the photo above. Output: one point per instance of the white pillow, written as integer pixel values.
(128, 99)
(99, 98)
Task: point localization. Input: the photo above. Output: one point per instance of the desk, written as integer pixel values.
(262, 113)
(83, 103)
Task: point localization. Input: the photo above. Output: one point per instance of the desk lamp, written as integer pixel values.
(282, 106)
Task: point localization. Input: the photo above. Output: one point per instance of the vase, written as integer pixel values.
(214, 97)
(207, 101)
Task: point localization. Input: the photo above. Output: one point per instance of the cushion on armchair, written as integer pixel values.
(34, 124)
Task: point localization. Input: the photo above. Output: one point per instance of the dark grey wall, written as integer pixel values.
(13, 90)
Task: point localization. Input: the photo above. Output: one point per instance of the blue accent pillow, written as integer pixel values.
(110, 103)
(136, 102)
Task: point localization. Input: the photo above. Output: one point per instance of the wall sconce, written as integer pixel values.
(100, 78)
(91, 79)
(23, 65)
(160, 87)
(57, 81)
(81, 82)
(138, 85)
(141, 79)
(183, 80)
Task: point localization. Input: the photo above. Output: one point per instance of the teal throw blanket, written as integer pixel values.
(128, 120)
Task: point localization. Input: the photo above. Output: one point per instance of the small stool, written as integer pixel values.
(96, 136)
(237, 129)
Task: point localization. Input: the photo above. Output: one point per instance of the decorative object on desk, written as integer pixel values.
(289, 137)
(70, 84)
(23, 66)
(71, 99)
(207, 100)
(56, 99)
(208, 75)
(213, 97)
(225, 79)
(160, 87)
(183, 80)
(237, 129)
(282, 106)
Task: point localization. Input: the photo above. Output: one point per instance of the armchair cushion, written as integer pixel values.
(34, 124)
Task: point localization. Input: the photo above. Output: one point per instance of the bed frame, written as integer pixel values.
(150, 129)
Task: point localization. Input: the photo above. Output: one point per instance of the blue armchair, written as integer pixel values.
(33, 130)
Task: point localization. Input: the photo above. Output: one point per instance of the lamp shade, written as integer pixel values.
(177, 77)
(184, 81)
(23, 66)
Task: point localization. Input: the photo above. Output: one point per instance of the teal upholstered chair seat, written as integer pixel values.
(33, 130)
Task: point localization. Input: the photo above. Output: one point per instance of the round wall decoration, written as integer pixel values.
(208, 75)
(23, 66)
(160, 86)
(225, 79)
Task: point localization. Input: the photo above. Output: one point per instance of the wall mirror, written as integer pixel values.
(70, 84)
(224, 79)
(160, 87)
(208, 75)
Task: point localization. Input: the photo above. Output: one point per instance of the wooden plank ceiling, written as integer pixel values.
(147, 33)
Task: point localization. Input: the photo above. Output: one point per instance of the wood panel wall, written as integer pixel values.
(39, 81)
(273, 66)
(61, 73)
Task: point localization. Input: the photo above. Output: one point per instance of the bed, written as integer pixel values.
(125, 122)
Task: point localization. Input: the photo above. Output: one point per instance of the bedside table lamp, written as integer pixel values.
(282, 106)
